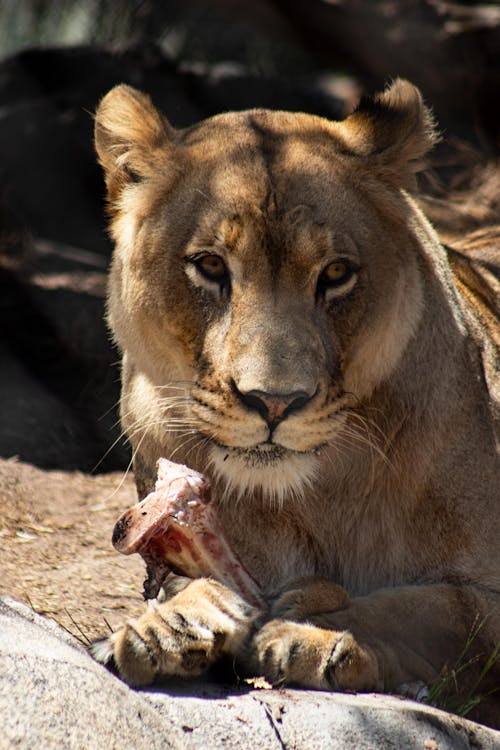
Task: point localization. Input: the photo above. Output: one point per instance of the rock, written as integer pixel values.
(52, 695)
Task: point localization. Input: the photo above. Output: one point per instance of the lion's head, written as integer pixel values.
(266, 282)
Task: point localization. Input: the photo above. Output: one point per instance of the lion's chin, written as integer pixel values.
(274, 472)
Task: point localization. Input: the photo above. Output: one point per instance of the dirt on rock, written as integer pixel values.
(56, 552)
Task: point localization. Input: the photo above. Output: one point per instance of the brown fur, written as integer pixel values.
(382, 482)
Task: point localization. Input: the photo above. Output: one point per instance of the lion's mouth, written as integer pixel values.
(264, 454)
(271, 468)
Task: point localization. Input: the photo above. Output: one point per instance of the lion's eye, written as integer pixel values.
(212, 267)
(336, 273)
(337, 278)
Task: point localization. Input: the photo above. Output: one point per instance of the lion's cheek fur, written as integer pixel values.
(152, 323)
(378, 350)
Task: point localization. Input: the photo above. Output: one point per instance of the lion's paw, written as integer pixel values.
(181, 637)
(307, 596)
(308, 656)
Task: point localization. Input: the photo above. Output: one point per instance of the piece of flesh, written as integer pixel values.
(176, 528)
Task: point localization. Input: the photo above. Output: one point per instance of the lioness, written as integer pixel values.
(290, 325)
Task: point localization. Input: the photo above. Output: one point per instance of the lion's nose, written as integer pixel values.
(274, 407)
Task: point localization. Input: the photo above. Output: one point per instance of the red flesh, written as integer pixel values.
(176, 528)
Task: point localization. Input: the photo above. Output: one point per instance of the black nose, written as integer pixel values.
(274, 407)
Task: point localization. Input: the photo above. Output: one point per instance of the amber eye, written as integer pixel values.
(212, 267)
(336, 272)
(336, 275)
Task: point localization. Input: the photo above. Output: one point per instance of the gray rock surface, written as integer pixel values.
(53, 695)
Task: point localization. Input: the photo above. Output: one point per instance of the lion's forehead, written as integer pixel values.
(296, 206)
(299, 206)
(266, 130)
(241, 153)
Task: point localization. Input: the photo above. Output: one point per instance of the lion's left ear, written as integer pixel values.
(390, 132)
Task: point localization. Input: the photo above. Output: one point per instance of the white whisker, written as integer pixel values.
(182, 445)
(126, 472)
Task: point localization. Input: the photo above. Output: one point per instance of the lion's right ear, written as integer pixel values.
(129, 133)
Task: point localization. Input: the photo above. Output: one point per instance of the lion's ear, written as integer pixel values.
(129, 132)
(391, 132)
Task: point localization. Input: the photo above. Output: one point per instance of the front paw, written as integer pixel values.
(311, 657)
(181, 637)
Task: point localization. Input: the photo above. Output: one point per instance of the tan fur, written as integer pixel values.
(381, 481)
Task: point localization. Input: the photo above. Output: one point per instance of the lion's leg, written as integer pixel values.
(180, 637)
(380, 641)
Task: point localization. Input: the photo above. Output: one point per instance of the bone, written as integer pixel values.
(176, 528)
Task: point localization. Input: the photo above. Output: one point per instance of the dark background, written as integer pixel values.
(59, 374)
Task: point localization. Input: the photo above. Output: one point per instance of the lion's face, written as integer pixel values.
(265, 284)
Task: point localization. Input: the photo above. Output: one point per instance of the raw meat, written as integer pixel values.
(176, 528)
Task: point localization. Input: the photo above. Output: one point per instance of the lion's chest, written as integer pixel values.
(278, 548)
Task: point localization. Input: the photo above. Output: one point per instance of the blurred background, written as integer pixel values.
(59, 374)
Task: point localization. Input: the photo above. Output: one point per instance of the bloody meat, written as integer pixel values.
(176, 528)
